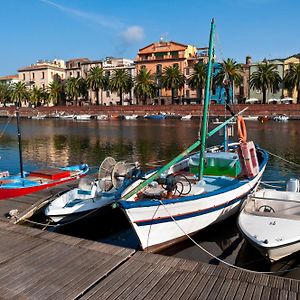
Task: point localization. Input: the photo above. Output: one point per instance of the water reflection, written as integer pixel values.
(62, 142)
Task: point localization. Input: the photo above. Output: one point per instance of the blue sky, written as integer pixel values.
(48, 29)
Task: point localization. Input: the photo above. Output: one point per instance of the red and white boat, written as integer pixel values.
(31, 182)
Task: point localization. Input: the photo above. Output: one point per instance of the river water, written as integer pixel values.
(66, 142)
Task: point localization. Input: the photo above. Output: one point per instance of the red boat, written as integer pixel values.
(16, 185)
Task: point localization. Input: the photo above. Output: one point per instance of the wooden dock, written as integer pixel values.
(36, 264)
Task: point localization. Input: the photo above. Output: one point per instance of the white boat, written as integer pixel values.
(186, 117)
(38, 117)
(190, 193)
(131, 117)
(102, 117)
(252, 101)
(82, 117)
(250, 118)
(68, 117)
(270, 221)
(91, 195)
(281, 118)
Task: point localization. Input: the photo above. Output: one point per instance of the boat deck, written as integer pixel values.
(36, 264)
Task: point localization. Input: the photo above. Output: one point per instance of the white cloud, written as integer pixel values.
(133, 34)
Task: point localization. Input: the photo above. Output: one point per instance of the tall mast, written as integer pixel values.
(203, 133)
(20, 143)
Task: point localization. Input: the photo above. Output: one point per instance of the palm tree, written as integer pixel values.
(121, 82)
(5, 93)
(265, 78)
(56, 92)
(73, 89)
(144, 85)
(197, 80)
(172, 79)
(19, 92)
(229, 75)
(36, 95)
(96, 80)
(292, 79)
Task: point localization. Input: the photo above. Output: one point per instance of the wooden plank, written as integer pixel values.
(257, 292)
(234, 286)
(249, 292)
(204, 287)
(115, 280)
(224, 289)
(144, 285)
(217, 287)
(163, 284)
(182, 284)
(241, 291)
(191, 287)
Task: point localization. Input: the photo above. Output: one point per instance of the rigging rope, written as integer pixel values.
(5, 127)
(217, 258)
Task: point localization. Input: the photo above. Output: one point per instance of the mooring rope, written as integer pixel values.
(287, 161)
(217, 258)
(9, 119)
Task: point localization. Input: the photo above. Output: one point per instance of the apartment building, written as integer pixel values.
(159, 55)
(42, 73)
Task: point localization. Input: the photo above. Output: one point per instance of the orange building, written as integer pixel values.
(157, 56)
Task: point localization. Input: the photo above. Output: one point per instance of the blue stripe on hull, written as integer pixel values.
(188, 215)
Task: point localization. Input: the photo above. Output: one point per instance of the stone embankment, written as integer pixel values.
(291, 110)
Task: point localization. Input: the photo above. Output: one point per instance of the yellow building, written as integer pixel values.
(287, 64)
(157, 56)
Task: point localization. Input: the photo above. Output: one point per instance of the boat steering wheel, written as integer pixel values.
(266, 208)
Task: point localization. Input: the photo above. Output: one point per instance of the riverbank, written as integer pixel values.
(291, 110)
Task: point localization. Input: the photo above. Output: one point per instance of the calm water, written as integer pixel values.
(62, 142)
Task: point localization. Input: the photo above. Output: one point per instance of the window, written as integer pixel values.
(174, 54)
(107, 73)
(43, 75)
(32, 76)
(78, 64)
(187, 71)
(23, 76)
(43, 86)
(70, 74)
(175, 65)
(78, 74)
(158, 69)
(107, 93)
(52, 75)
(187, 93)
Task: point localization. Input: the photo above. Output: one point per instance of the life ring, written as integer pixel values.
(241, 128)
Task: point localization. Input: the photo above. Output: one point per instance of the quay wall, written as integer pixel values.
(291, 110)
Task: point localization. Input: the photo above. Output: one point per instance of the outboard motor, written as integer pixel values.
(292, 185)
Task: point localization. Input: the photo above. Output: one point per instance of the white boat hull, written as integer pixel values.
(270, 221)
(71, 206)
(159, 224)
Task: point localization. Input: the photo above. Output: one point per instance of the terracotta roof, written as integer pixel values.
(40, 67)
(8, 77)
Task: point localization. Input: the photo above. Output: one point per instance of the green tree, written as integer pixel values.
(172, 79)
(265, 78)
(57, 92)
(5, 93)
(292, 79)
(96, 80)
(19, 93)
(36, 95)
(120, 82)
(197, 80)
(229, 75)
(73, 89)
(145, 86)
